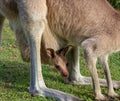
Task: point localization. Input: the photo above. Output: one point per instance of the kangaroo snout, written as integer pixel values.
(63, 70)
(59, 59)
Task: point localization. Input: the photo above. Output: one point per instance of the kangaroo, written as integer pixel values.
(92, 24)
(95, 25)
(25, 19)
(50, 41)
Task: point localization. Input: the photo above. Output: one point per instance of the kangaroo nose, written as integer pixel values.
(63, 71)
(65, 74)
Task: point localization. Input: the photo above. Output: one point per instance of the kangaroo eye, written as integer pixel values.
(57, 66)
(67, 64)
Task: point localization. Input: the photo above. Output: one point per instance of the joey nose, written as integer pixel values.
(65, 74)
(62, 70)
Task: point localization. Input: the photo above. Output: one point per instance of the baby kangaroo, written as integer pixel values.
(59, 59)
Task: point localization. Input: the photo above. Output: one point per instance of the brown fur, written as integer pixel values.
(48, 41)
(25, 20)
(94, 23)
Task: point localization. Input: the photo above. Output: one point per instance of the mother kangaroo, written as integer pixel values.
(95, 25)
(70, 22)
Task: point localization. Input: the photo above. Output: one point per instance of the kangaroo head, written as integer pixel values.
(59, 59)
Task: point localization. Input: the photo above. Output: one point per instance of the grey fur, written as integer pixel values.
(92, 23)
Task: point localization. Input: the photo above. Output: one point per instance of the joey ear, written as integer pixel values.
(50, 52)
(65, 50)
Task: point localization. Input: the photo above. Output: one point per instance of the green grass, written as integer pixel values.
(14, 74)
(115, 3)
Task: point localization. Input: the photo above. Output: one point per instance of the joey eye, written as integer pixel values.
(67, 64)
(57, 66)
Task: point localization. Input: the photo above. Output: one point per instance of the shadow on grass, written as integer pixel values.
(16, 75)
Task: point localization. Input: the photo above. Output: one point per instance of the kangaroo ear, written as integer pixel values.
(65, 50)
(50, 52)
